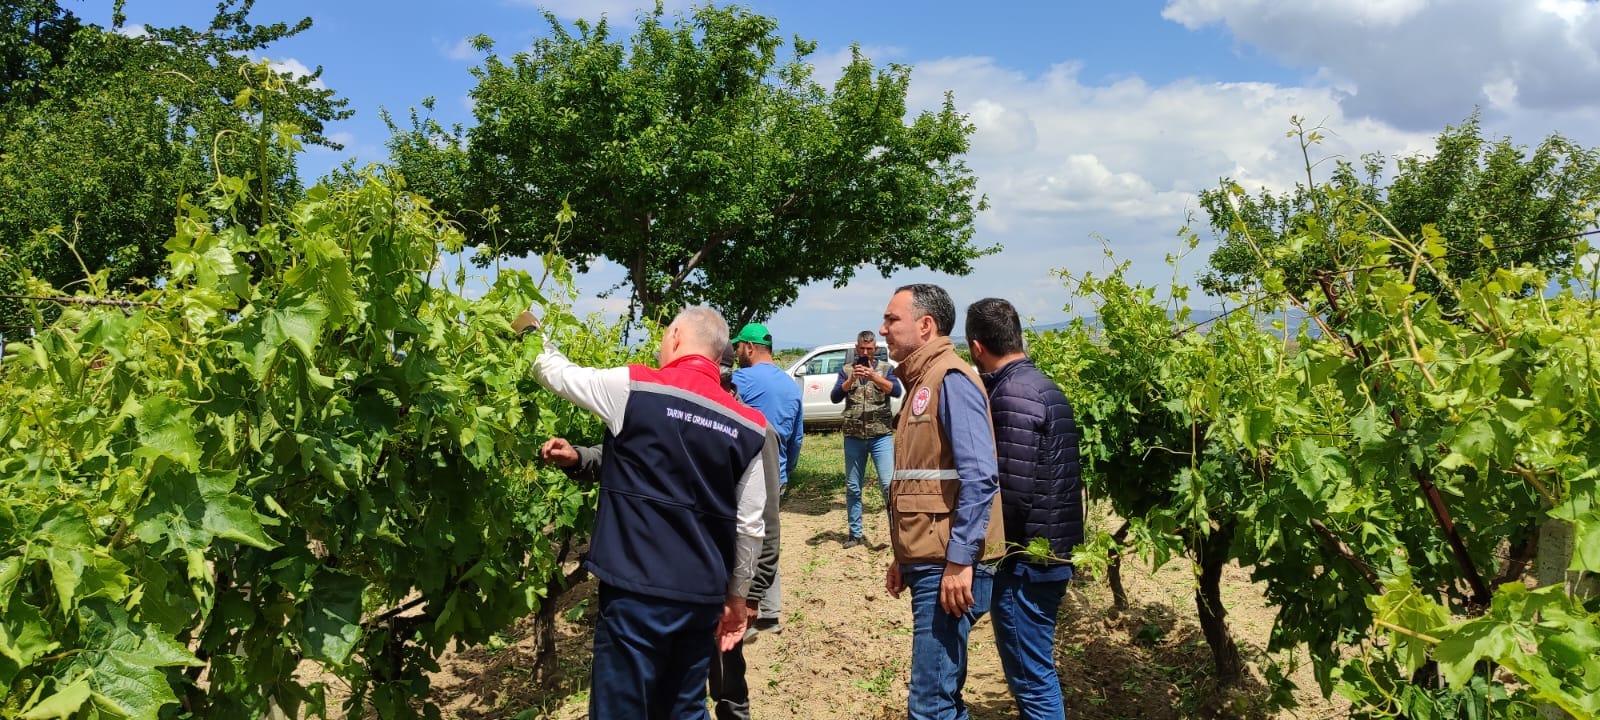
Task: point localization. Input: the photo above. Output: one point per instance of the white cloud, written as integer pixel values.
(295, 69)
(1371, 13)
(1053, 145)
(1006, 130)
(135, 30)
(1073, 168)
(1423, 64)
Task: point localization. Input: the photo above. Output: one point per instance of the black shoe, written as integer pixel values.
(761, 625)
(856, 541)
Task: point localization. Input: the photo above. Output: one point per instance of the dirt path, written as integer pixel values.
(845, 646)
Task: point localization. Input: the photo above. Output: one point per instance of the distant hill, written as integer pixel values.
(1201, 319)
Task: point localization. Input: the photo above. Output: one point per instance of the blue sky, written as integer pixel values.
(1097, 122)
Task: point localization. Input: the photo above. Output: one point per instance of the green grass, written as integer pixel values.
(820, 474)
(881, 683)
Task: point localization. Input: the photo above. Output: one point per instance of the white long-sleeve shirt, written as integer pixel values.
(605, 392)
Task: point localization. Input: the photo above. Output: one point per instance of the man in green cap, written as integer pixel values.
(767, 388)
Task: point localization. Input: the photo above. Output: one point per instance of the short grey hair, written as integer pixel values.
(706, 328)
(866, 336)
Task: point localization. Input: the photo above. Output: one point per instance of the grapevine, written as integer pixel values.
(1380, 458)
(305, 450)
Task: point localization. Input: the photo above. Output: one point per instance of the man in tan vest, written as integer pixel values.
(944, 516)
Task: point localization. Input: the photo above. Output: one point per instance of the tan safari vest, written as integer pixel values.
(923, 493)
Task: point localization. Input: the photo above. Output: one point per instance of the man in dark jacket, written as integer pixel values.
(1036, 443)
(679, 521)
(730, 693)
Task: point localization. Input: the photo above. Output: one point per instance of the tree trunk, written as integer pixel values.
(1522, 555)
(544, 642)
(1119, 594)
(545, 666)
(1212, 554)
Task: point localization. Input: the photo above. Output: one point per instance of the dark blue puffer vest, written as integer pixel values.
(1037, 443)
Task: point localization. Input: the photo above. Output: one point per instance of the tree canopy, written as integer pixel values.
(103, 129)
(694, 159)
(1489, 203)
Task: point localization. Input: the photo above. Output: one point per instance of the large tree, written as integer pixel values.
(705, 168)
(1492, 202)
(34, 38)
(103, 129)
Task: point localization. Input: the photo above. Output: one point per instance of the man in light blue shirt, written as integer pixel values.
(767, 388)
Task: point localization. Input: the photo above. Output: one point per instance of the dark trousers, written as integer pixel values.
(651, 657)
(729, 691)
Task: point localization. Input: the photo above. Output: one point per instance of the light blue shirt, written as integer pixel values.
(769, 389)
(964, 413)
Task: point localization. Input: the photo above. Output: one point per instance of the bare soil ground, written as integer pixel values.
(845, 646)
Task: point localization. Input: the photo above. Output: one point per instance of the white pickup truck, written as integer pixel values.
(818, 370)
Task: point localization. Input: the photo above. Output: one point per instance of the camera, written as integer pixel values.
(862, 360)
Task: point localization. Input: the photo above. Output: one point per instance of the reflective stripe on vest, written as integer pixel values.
(919, 474)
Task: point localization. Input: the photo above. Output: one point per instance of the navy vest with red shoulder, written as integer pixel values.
(666, 522)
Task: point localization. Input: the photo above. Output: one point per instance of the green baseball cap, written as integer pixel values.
(754, 333)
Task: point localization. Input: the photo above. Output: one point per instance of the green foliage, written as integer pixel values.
(1545, 638)
(1475, 192)
(702, 165)
(303, 447)
(1370, 450)
(101, 132)
(35, 36)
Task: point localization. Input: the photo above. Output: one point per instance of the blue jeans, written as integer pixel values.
(651, 657)
(1025, 633)
(855, 471)
(939, 642)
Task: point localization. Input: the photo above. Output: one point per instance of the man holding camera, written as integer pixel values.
(865, 386)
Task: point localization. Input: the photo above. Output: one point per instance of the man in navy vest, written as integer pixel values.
(730, 693)
(1036, 443)
(679, 523)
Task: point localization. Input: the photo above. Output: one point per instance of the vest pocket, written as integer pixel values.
(922, 513)
(935, 503)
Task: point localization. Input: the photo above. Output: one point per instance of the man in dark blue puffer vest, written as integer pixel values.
(1036, 443)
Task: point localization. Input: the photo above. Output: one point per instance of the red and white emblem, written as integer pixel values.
(919, 402)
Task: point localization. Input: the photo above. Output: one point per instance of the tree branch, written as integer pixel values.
(1458, 547)
(712, 241)
(77, 300)
(1339, 546)
(788, 204)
